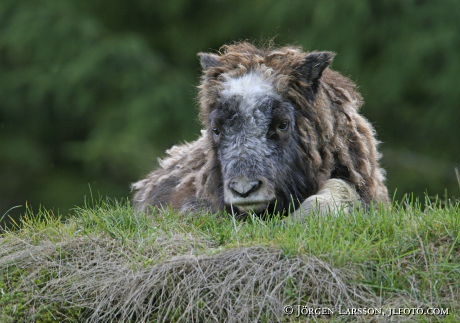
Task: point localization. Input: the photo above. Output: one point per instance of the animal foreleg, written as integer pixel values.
(336, 195)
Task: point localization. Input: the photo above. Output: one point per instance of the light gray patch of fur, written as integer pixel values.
(250, 87)
(334, 197)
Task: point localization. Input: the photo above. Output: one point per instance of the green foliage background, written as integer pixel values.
(92, 92)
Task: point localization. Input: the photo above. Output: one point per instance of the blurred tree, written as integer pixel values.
(93, 91)
(79, 105)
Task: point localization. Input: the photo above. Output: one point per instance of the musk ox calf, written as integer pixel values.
(282, 133)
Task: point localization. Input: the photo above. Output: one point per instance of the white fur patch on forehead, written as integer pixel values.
(248, 86)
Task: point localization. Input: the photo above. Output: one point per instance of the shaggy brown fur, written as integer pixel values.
(337, 141)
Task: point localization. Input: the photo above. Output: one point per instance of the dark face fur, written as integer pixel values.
(257, 143)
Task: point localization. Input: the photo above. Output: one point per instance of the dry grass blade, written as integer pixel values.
(457, 174)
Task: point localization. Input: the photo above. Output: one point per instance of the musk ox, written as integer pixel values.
(282, 133)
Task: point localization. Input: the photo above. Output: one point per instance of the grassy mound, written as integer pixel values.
(107, 264)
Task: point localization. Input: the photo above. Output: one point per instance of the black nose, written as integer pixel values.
(243, 186)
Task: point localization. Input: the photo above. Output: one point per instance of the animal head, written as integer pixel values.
(259, 108)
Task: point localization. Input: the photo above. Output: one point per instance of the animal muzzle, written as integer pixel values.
(248, 194)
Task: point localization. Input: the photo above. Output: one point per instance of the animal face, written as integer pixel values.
(257, 144)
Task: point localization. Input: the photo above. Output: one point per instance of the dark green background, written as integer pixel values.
(93, 91)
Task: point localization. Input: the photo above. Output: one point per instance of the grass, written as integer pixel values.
(105, 263)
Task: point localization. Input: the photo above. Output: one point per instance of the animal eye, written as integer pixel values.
(283, 126)
(216, 131)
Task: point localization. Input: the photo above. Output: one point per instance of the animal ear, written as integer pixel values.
(315, 63)
(208, 60)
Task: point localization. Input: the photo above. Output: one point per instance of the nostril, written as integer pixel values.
(255, 186)
(244, 187)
